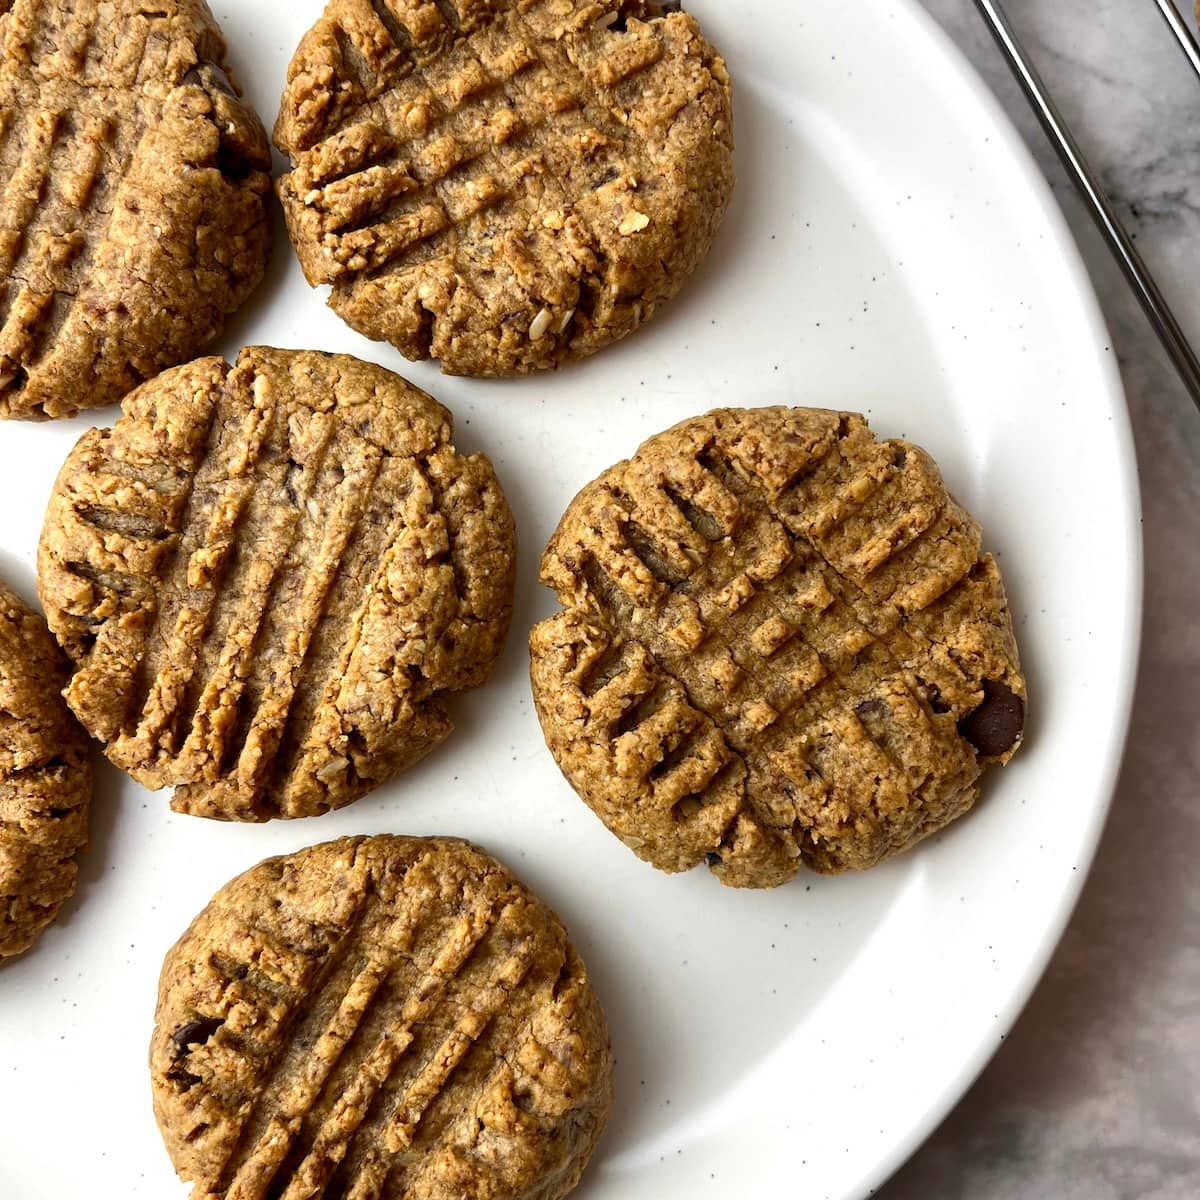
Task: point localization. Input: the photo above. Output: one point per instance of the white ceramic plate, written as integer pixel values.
(891, 248)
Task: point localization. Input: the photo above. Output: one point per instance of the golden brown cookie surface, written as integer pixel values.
(133, 187)
(504, 185)
(379, 1017)
(780, 643)
(269, 576)
(45, 779)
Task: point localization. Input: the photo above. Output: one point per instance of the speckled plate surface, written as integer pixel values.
(891, 248)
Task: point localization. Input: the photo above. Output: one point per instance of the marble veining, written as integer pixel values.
(1096, 1093)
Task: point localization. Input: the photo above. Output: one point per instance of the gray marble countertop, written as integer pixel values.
(1096, 1094)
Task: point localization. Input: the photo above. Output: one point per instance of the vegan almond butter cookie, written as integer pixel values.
(133, 191)
(379, 1017)
(45, 779)
(780, 643)
(269, 576)
(504, 185)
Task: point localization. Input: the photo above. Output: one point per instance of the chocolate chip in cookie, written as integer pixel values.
(775, 637)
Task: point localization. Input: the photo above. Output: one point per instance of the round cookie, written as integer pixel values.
(269, 576)
(504, 185)
(45, 779)
(386, 1017)
(780, 643)
(133, 192)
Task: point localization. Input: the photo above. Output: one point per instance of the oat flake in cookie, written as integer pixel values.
(379, 1017)
(269, 576)
(45, 779)
(504, 185)
(133, 191)
(780, 643)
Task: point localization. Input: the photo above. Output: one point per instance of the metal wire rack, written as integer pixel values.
(1101, 207)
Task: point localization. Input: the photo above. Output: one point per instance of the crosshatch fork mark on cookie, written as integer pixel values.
(779, 643)
(378, 1018)
(503, 185)
(132, 190)
(269, 576)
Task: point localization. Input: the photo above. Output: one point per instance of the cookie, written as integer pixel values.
(504, 185)
(779, 643)
(269, 576)
(379, 1017)
(45, 779)
(133, 193)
